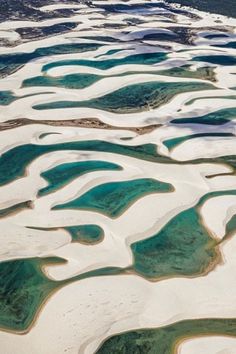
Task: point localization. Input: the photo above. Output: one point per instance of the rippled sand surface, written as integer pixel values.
(117, 178)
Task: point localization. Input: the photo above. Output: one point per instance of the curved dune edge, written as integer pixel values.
(106, 294)
(211, 345)
(118, 232)
(78, 317)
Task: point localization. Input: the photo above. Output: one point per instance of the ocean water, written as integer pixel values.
(117, 175)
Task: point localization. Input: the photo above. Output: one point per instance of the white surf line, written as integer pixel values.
(82, 315)
(208, 344)
(196, 148)
(217, 212)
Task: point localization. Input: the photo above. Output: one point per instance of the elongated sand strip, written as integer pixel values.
(209, 345)
(217, 212)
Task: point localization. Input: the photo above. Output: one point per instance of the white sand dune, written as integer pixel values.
(209, 345)
(80, 316)
(224, 208)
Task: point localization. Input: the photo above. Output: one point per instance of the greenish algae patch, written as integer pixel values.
(88, 234)
(60, 175)
(113, 198)
(133, 98)
(164, 340)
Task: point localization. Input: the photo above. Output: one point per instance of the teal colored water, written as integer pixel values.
(172, 143)
(225, 60)
(231, 226)
(227, 45)
(74, 81)
(113, 198)
(215, 118)
(79, 81)
(14, 162)
(89, 234)
(60, 175)
(10, 62)
(145, 58)
(6, 97)
(133, 98)
(163, 340)
(183, 247)
(24, 287)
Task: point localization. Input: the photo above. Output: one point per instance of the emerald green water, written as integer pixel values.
(231, 226)
(11, 62)
(215, 118)
(113, 198)
(24, 287)
(90, 234)
(7, 97)
(163, 340)
(74, 81)
(79, 81)
(133, 98)
(183, 247)
(172, 143)
(146, 58)
(14, 162)
(59, 176)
